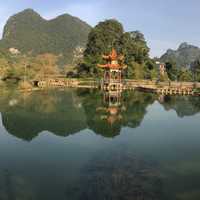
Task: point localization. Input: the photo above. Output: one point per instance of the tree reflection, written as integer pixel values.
(56, 112)
(70, 111)
(183, 105)
(106, 116)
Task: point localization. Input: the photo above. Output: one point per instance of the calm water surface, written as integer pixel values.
(80, 144)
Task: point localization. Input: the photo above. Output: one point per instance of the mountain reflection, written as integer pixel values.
(58, 113)
(70, 111)
(183, 105)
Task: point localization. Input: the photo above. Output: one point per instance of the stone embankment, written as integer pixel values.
(165, 88)
(168, 88)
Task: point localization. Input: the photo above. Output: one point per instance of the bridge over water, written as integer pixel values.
(169, 87)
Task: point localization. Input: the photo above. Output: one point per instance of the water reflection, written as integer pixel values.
(183, 105)
(58, 113)
(70, 111)
(118, 174)
(14, 187)
(106, 116)
(152, 163)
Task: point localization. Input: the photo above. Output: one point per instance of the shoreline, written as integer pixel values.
(165, 88)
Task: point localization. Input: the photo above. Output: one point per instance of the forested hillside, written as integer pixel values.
(28, 32)
(183, 56)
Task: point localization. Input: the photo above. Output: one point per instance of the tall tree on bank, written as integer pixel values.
(104, 37)
(195, 68)
(134, 47)
(101, 40)
(172, 70)
(110, 34)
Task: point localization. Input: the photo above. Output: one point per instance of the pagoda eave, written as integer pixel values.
(110, 66)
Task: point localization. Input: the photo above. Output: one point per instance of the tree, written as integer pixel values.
(135, 50)
(151, 71)
(195, 68)
(101, 40)
(172, 70)
(185, 75)
(104, 37)
(45, 65)
(4, 65)
(110, 34)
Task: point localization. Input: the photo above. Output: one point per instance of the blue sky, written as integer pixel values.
(165, 23)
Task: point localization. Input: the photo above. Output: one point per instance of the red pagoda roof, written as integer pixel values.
(112, 59)
(112, 56)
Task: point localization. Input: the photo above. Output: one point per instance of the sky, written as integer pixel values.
(165, 23)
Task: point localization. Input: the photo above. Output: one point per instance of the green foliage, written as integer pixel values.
(180, 74)
(195, 68)
(172, 70)
(164, 77)
(3, 68)
(104, 37)
(110, 34)
(182, 105)
(134, 47)
(185, 75)
(31, 34)
(138, 71)
(151, 71)
(101, 40)
(131, 111)
(55, 111)
(183, 56)
(20, 67)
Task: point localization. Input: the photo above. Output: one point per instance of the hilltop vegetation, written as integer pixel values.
(184, 56)
(42, 46)
(183, 64)
(28, 32)
(33, 47)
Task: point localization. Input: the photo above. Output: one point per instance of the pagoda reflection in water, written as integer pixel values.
(68, 112)
(112, 100)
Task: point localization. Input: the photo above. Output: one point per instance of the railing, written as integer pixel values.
(159, 87)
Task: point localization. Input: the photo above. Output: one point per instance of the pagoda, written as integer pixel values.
(112, 79)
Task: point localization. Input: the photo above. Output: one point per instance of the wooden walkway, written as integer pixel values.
(168, 88)
(165, 88)
(63, 82)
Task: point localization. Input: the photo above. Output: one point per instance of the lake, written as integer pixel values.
(89, 145)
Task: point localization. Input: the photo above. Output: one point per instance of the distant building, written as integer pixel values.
(14, 51)
(78, 52)
(78, 55)
(162, 68)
